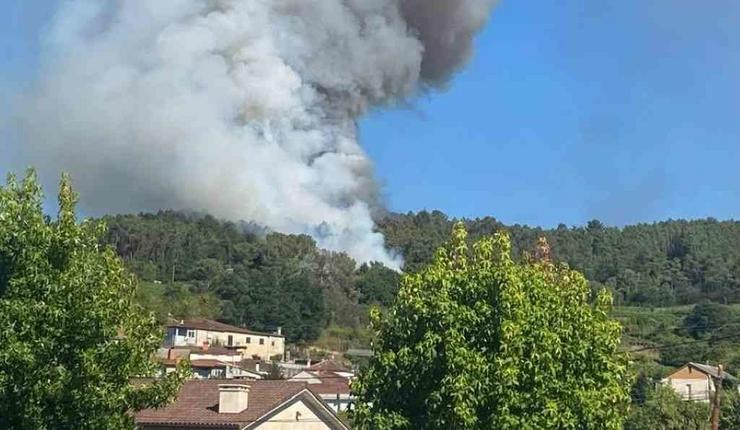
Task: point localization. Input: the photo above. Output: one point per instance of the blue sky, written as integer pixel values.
(624, 111)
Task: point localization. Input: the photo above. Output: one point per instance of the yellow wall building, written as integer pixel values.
(249, 343)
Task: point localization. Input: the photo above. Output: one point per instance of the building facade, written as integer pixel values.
(331, 381)
(248, 343)
(695, 381)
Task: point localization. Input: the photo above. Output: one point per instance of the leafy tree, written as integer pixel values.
(478, 341)
(730, 416)
(665, 263)
(377, 284)
(665, 410)
(71, 338)
(333, 273)
(275, 372)
(706, 318)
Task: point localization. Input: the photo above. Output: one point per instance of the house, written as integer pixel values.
(212, 362)
(695, 381)
(330, 380)
(248, 343)
(222, 370)
(255, 405)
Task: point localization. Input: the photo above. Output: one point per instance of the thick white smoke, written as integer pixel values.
(246, 109)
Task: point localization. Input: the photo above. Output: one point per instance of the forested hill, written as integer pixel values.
(660, 264)
(198, 265)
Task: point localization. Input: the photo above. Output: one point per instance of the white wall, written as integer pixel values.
(701, 389)
(287, 420)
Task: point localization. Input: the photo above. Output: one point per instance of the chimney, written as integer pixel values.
(257, 366)
(232, 398)
(280, 330)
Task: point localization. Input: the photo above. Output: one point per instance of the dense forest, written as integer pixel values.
(662, 264)
(192, 265)
(239, 273)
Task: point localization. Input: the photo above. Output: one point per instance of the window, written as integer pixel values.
(688, 391)
(273, 343)
(262, 341)
(230, 340)
(249, 339)
(191, 333)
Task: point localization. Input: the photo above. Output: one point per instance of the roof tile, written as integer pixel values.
(197, 403)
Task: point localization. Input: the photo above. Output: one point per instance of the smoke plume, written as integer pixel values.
(246, 109)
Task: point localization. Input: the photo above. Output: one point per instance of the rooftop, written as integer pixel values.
(210, 325)
(712, 370)
(329, 366)
(197, 404)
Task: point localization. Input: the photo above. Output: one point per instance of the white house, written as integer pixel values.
(695, 381)
(331, 381)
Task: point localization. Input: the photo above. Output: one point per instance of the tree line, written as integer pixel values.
(196, 265)
(241, 274)
(674, 262)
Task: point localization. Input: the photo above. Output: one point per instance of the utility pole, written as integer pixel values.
(717, 398)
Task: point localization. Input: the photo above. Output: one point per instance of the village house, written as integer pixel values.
(248, 343)
(254, 405)
(330, 380)
(214, 362)
(695, 381)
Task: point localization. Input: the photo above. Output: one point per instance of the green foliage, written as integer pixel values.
(178, 299)
(71, 337)
(196, 265)
(661, 264)
(664, 410)
(730, 416)
(477, 340)
(337, 338)
(707, 318)
(275, 372)
(377, 284)
(229, 265)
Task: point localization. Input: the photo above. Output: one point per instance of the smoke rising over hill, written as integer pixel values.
(243, 108)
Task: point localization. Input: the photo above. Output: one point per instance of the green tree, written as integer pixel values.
(730, 418)
(665, 410)
(71, 337)
(275, 372)
(377, 284)
(478, 341)
(706, 318)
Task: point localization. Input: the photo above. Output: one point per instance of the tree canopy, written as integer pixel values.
(663, 409)
(239, 274)
(477, 340)
(667, 263)
(195, 265)
(71, 336)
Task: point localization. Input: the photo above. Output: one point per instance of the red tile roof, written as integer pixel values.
(330, 366)
(210, 325)
(207, 364)
(331, 386)
(197, 404)
(213, 350)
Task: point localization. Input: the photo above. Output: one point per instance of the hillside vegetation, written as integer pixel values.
(193, 265)
(662, 264)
